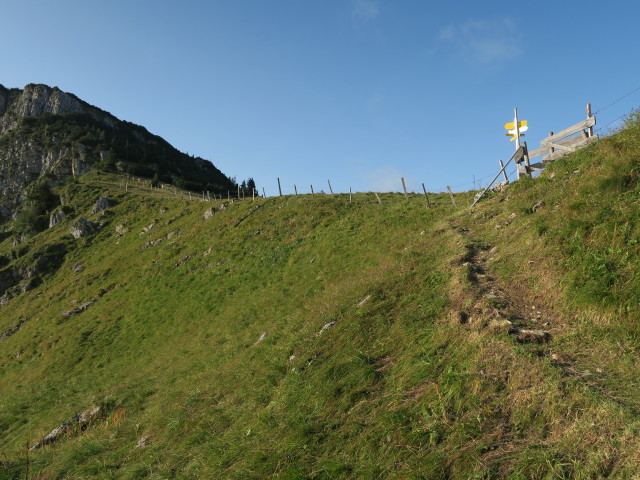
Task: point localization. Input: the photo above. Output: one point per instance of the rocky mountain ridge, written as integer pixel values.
(51, 135)
(37, 99)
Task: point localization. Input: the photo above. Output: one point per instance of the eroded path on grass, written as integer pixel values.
(487, 304)
(493, 306)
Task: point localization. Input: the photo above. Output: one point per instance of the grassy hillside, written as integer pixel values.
(301, 337)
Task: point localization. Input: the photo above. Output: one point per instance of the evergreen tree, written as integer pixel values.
(251, 185)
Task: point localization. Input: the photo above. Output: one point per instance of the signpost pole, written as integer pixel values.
(517, 131)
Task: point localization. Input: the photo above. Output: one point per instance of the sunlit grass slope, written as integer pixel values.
(314, 338)
(173, 340)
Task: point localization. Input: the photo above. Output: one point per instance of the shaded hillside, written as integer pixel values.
(301, 337)
(47, 133)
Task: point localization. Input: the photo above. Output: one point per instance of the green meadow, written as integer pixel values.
(302, 337)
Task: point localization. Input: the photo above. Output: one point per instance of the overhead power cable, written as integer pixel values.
(621, 98)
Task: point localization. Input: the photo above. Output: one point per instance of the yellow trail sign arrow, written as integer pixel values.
(512, 125)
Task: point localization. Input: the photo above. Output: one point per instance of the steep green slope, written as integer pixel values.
(301, 337)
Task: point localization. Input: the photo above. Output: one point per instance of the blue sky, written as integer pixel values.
(360, 92)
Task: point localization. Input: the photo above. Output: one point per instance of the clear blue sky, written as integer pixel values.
(357, 91)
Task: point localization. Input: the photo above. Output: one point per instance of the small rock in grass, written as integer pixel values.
(364, 300)
(326, 326)
(121, 230)
(499, 326)
(537, 207)
(143, 441)
(524, 335)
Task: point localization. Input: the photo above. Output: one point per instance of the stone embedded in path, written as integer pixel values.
(524, 335)
(500, 326)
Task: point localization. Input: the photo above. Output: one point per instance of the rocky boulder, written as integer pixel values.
(101, 204)
(82, 228)
(56, 217)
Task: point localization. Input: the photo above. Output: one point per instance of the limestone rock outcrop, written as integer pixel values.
(82, 228)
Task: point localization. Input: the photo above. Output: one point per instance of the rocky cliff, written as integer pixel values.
(46, 133)
(36, 100)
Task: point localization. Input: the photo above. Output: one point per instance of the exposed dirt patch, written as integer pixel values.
(494, 307)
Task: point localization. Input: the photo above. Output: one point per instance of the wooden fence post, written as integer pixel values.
(426, 196)
(279, 188)
(295, 189)
(504, 174)
(349, 194)
(330, 189)
(525, 155)
(238, 192)
(589, 116)
(253, 194)
(379, 201)
(451, 196)
(404, 187)
(263, 193)
(312, 194)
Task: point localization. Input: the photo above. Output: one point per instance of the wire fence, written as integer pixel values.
(478, 183)
(606, 130)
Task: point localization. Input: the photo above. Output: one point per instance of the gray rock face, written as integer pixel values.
(82, 228)
(36, 99)
(24, 159)
(56, 217)
(101, 204)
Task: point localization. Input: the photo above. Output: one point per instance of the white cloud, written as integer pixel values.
(483, 42)
(365, 10)
(383, 179)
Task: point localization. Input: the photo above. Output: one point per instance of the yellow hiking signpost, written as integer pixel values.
(515, 129)
(511, 128)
